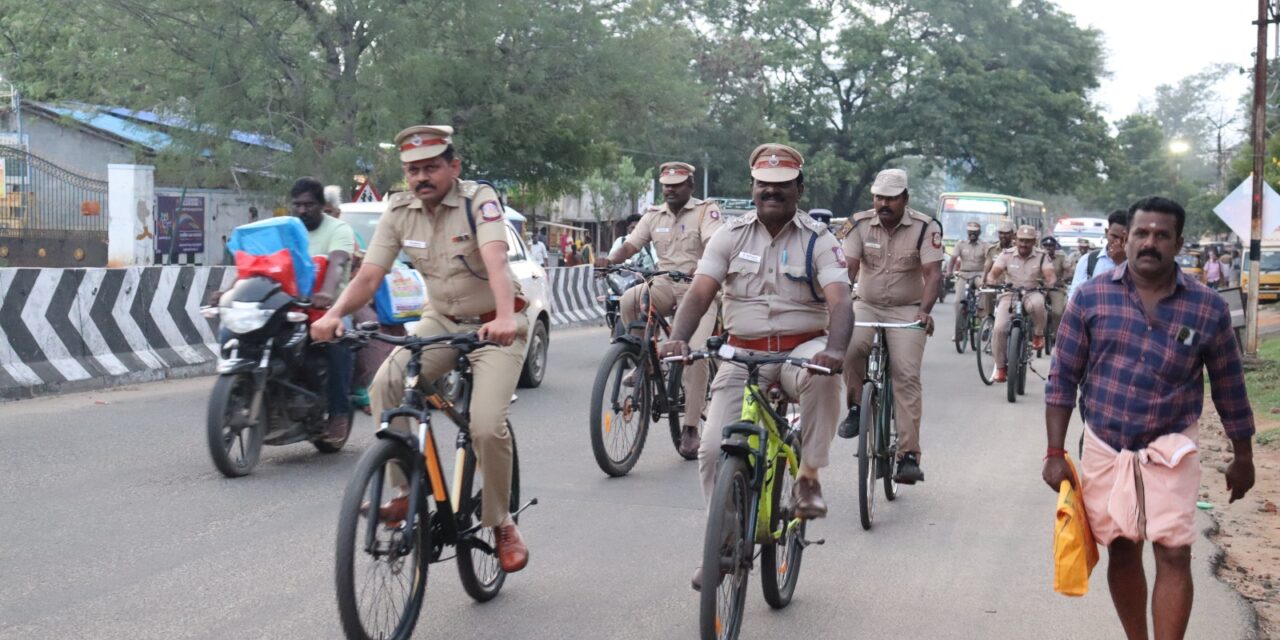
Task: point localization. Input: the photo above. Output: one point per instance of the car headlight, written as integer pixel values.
(243, 317)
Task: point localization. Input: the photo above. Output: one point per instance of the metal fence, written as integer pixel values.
(41, 199)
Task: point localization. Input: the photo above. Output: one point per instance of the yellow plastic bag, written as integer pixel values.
(1074, 551)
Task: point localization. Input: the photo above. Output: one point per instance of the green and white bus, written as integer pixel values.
(957, 209)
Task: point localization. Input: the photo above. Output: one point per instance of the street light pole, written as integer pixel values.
(1259, 150)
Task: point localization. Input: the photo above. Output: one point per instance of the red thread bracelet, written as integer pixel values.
(1055, 452)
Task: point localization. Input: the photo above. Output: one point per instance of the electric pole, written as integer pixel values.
(1266, 16)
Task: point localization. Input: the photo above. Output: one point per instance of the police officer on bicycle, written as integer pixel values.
(895, 255)
(967, 261)
(1058, 295)
(680, 229)
(1024, 267)
(454, 231)
(786, 290)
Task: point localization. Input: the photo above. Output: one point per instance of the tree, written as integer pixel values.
(614, 192)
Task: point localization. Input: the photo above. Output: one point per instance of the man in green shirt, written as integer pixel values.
(332, 238)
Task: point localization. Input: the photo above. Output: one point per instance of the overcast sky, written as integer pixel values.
(1154, 42)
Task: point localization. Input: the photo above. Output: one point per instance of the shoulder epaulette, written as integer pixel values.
(811, 224)
(742, 221)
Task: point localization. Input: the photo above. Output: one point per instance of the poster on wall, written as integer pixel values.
(179, 224)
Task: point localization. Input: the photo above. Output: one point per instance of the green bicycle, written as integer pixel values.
(877, 424)
(752, 502)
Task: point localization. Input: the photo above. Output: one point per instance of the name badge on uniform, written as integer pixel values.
(663, 230)
(750, 257)
(872, 245)
(415, 244)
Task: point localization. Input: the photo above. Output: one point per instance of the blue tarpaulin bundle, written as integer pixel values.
(272, 235)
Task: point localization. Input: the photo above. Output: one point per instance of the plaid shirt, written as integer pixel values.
(1146, 379)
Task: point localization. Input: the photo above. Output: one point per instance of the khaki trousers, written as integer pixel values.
(906, 354)
(966, 281)
(495, 372)
(817, 395)
(1033, 305)
(664, 294)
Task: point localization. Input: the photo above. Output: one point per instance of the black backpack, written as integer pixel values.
(1093, 263)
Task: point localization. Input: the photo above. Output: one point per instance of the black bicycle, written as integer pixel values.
(388, 535)
(1018, 353)
(968, 323)
(634, 385)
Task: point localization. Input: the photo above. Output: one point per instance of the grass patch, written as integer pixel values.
(1263, 382)
(1269, 438)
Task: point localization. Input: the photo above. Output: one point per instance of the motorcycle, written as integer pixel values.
(271, 377)
(617, 284)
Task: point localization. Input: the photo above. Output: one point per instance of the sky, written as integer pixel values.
(1150, 42)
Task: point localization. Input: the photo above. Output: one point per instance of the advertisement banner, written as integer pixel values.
(179, 224)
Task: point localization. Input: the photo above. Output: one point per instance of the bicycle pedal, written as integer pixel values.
(820, 541)
(526, 505)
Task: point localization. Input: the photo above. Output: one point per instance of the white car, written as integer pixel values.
(363, 217)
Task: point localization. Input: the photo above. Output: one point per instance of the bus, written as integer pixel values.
(956, 210)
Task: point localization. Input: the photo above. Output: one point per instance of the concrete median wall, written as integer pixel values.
(66, 329)
(573, 294)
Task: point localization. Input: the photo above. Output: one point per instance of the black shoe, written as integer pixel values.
(909, 470)
(849, 428)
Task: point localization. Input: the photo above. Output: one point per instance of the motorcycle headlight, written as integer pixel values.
(242, 317)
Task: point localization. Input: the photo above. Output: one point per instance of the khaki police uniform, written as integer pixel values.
(680, 238)
(890, 289)
(446, 252)
(765, 294)
(973, 256)
(1058, 296)
(1022, 273)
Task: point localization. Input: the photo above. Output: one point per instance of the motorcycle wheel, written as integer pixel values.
(234, 436)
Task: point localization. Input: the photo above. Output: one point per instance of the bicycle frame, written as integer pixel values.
(763, 444)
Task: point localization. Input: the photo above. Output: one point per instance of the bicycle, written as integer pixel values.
(967, 321)
(1019, 345)
(633, 385)
(877, 423)
(752, 502)
(399, 547)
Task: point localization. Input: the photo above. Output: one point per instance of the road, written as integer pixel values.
(115, 525)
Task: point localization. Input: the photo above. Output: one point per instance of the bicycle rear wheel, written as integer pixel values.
(975, 327)
(780, 560)
(1013, 353)
(676, 405)
(986, 334)
(1023, 363)
(961, 337)
(478, 568)
(887, 440)
(381, 575)
(619, 411)
(726, 552)
(867, 463)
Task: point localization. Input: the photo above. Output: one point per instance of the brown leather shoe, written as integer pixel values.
(391, 513)
(690, 440)
(339, 428)
(696, 583)
(513, 555)
(809, 502)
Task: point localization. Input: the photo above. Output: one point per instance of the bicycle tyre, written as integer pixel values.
(887, 440)
(962, 331)
(482, 577)
(867, 463)
(622, 356)
(727, 523)
(233, 394)
(1014, 352)
(1023, 363)
(778, 579)
(676, 405)
(975, 326)
(986, 334)
(373, 462)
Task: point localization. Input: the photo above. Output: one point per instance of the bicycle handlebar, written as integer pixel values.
(890, 325)
(465, 342)
(731, 354)
(647, 275)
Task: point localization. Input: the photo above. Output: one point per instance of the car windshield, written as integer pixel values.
(1270, 261)
(1187, 260)
(364, 223)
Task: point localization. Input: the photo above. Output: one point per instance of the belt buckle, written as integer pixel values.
(468, 320)
(773, 344)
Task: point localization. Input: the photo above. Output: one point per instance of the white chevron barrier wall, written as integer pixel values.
(79, 328)
(573, 294)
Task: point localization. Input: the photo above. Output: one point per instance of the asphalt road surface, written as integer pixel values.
(114, 524)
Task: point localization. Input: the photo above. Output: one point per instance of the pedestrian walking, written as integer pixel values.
(1145, 333)
(538, 252)
(1213, 271)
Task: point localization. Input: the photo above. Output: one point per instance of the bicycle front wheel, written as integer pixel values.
(619, 410)
(867, 463)
(887, 440)
(780, 559)
(381, 571)
(1014, 354)
(482, 577)
(726, 552)
(986, 334)
(676, 406)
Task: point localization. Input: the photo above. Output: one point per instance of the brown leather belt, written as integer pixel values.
(520, 304)
(775, 344)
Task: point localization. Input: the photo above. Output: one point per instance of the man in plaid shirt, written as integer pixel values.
(1145, 333)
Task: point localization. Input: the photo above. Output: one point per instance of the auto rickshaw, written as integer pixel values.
(1191, 259)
